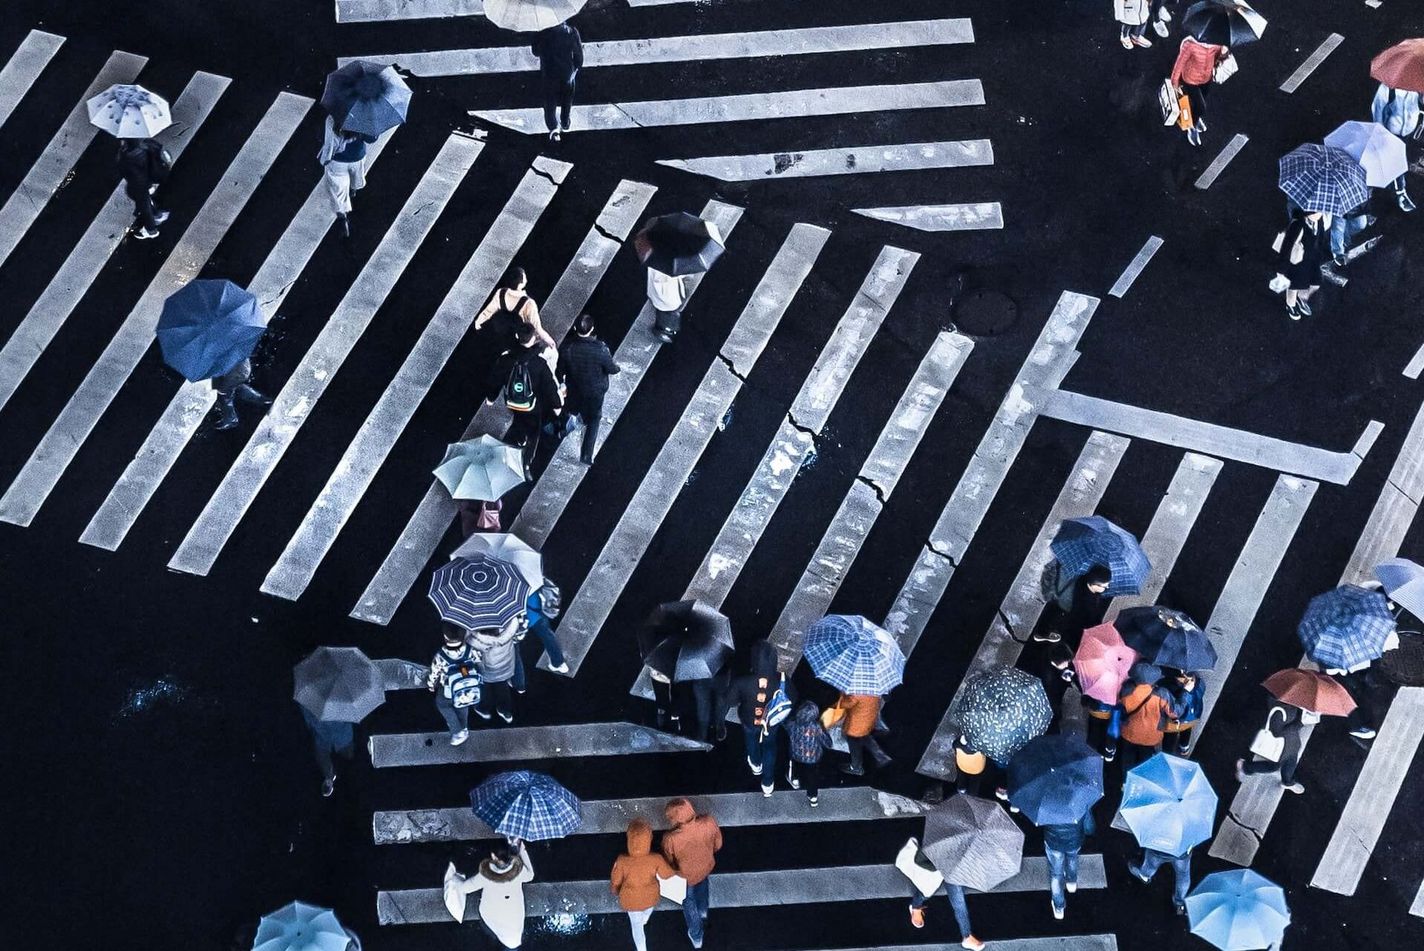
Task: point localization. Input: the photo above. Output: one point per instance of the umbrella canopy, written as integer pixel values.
(529, 16)
(1102, 662)
(853, 655)
(1310, 690)
(1092, 540)
(1224, 22)
(526, 805)
(1001, 710)
(301, 927)
(972, 842)
(129, 112)
(1166, 638)
(366, 98)
(208, 327)
(686, 640)
(1055, 779)
(1401, 66)
(680, 243)
(338, 684)
(1168, 804)
(1403, 581)
(482, 469)
(1239, 910)
(1323, 178)
(478, 592)
(1379, 151)
(509, 549)
(1345, 627)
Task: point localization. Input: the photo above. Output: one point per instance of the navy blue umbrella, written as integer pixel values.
(1166, 638)
(1054, 780)
(526, 805)
(1082, 543)
(209, 327)
(366, 98)
(1346, 627)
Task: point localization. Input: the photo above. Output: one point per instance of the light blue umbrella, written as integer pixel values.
(1168, 804)
(1403, 581)
(1238, 910)
(853, 655)
(301, 927)
(1379, 151)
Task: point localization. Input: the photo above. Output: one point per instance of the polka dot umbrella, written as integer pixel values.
(1001, 710)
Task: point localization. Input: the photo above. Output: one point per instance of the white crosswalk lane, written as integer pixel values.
(59, 446)
(353, 475)
(368, 11)
(103, 236)
(857, 160)
(971, 216)
(64, 149)
(432, 517)
(338, 336)
(190, 405)
(1223, 159)
(24, 67)
(572, 741)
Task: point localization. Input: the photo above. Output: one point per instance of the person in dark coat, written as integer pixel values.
(585, 366)
(144, 165)
(1074, 603)
(1061, 846)
(232, 387)
(1285, 723)
(560, 52)
(751, 693)
(330, 738)
(809, 742)
(543, 400)
(1304, 245)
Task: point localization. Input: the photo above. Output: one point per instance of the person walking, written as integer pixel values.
(1161, 16)
(543, 604)
(634, 879)
(1193, 71)
(343, 162)
(752, 695)
(144, 164)
(697, 696)
(455, 681)
(531, 393)
(808, 741)
(927, 883)
(330, 738)
(1301, 252)
(500, 882)
(1398, 110)
(500, 667)
(859, 715)
(1062, 844)
(1188, 692)
(1284, 723)
(690, 846)
(584, 367)
(509, 307)
(1344, 228)
(668, 295)
(560, 53)
(232, 387)
(1133, 15)
(1152, 860)
(1146, 707)
(1075, 602)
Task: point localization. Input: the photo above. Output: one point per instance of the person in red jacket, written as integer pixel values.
(690, 846)
(1193, 71)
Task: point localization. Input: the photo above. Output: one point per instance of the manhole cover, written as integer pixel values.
(985, 313)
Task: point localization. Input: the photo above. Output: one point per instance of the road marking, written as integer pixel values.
(1139, 263)
(190, 405)
(77, 420)
(788, 104)
(399, 674)
(693, 49)
(729, 890)
(367, 11)
(564, 473)
(526, 742)
(24, 67)
(275, 432)
(700, 420)
(1023, 604)
(50, 170)
(1303, 72)
(855, 160)
(88, 257)
(1417, 906)
(1237, 143)
(432, 517)
(1208, 438)
(974, 216)
(1416, 364)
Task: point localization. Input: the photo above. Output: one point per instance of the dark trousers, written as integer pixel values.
(1360, 685)
(762, 751)
(330, 739)
(700, 693)
(807, 774)
(589, 410)
(1134, 754)
(524, 431)
(1196, 95)
(545, 632)
(496, 692)
(1290, 759)
(559, 95)
(143, 211)
(668, 321)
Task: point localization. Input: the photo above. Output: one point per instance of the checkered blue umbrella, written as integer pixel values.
(1345, 627)
(1092, 540)
(526, 805)
(478, 592)
(1001, 710)
(853, 655)
(1323, 178)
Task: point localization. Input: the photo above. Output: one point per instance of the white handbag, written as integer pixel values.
(1167, 101)
(1225, 69)
(673, 889)
(1266, 744)
(927, 881)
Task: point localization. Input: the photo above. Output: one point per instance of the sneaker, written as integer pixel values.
(1405, 204)
(1109, 754)
(814, 801)
(457, 738)
(1071, 886)
(1241, 771)
(1141, 41)
(1013, 808)
(1164, 15)
(696, 942)
(1002, 794)
(555, 136)
(328, 787)
(1184, 747)
(484, 714)
(1137, 873)
(663, 335)
(1160, 26)
(754, 767)
(766, 791)
(1370, 220)
(1293, 311)
(1193, 136)
(1304, 307)
(159, 217)
(1057, 912)
(1047, 637)
(1340, 260)
(559, 668)
(586, 460)
(1126, 42)
(1296, 788)
(917, 916)
(521, 690)
(506, 716)
(972, 943)
(1363, 732)
(1201, 125)
(791, 777)
(850, 770)
(1180, 907)
(143, 234)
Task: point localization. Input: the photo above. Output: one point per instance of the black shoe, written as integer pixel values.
(251, 396)
(1293, 311)
(1340, 260)
(586, 460)
(1304, 307)
(850, 770)
(159, 217)
(662, 335)
(1405, 204)
(228, 419)
(1179, 907)
(345, 225)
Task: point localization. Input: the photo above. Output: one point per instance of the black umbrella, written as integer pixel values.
(366, 98)
(679, 243)
(686, 640)
(1224, 22)
(1166, 637)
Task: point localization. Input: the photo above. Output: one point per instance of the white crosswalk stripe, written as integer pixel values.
(971, 216)
(525, 743)
(366, 11)
(912, 156)
(24, 67)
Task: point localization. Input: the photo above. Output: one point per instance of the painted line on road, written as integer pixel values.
(1023, 604)
(1139, 263)
(1417, 906)
(973, 216)
(1416, 364)
(338, 336)
(62, 442)
(1303, 71)
(496, 744)
(854, 160)
(24, 67)
(1218, 164)
(369, 11)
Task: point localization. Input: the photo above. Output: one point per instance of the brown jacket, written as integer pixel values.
(691, 842)
(1144, 709)
(862, 710)
(635, 873)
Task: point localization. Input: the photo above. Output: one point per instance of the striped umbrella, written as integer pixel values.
(478, 592)
(129, 112)
(1323, 178)
(1345, 627)
(1403, 581)
(852, 654)
(1238, 910)
(510, 549)
(1001, 710)
(526, 805)
(1082, 543)
(1168, 804)
(301, 927)
(972, 842)
(338, 684)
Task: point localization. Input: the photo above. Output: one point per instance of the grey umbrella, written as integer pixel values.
(972, 842)
(1403, 581)
(338, 684)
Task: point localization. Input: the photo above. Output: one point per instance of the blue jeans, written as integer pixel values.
(1152, 860)
(1343, 230)
(956, 901)
(694, 909)
(1062, 869)
(762, 751)
(545, 632)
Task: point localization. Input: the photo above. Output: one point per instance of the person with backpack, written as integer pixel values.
(509, 307)
(455, 680)
(584, 367)
(1188, 692)
(634, 879)
(691, 846)
(1147, 708)
(1074, 602)
(560, 53)
(808, 741)
(500, 667)
(144, 165)
(763, 699)
(343, 163)
(543, 604)
(530, 391)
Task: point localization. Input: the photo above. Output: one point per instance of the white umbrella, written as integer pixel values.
(506, 548)
(1379, 151)
(482, 468)
(530, 16)
(129, 112)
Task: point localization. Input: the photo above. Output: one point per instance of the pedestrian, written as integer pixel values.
(1062, 844)
(454, 678)
(635, 879)
(343, 162)
(1359, 683)
(500, 667)
(1074, 602)
(509, 307)
(543, 604)
(1188, 696)
(972, 768)
(925, 884)
(1161, 16)
(696, 696)
(478, 515)
(560, 53)
(858, 715)
(1146, 707)
(330, 738)
(531, 393)
(690, 846)
(668, 295)
(808, 741)
(500, 882)
(1301, 250)
(1193, 71)
(584, 368)
(1152, 860)
(755, 695)
(144, 165)
(1133, 15)
(234, 387)
(1276, 747)
(1343, 229)
(1398, 111)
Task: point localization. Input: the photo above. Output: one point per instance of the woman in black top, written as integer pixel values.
(1303, 250)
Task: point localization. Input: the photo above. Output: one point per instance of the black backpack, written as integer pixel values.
(519, 388)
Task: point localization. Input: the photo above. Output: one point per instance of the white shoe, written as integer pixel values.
(1057, 912)
(457, 738)
(506, 717)
(766, 791)
(1126, 42)
(754, 767)
(561, 669)
(1071, 886)
(1160, 27)
(143, 234)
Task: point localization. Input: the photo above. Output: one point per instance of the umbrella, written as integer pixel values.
(1103, 662)
(686, 640)
(509, 549)
(1238, 910)
(1401, 66)
(1092, 540)
(1379, 151)
(680, 243)
(478, 592)
(853, 655)
(1323, 178)
(1168, 804)
(1310, 690)
(1166, 637)
(366, 98)
(1055, 779)
(129, 112)
(482, 468)
(526, 805)
(1403, 581)
(1345, 627)
(1224, 22)
(338, 684)
(972, 842)
(208, 327)
(529, 16)
(1001, 710)
(301, 927)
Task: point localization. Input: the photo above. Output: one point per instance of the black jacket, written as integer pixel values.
(143, 163)
(546, 388)
(752, 691)
(585, 366)
(560, 52)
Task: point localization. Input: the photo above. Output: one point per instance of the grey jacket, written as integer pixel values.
(498, 652)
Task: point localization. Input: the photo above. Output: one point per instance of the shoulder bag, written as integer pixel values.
(1266, 744)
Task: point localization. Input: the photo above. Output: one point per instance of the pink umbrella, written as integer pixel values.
(1103, 662)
